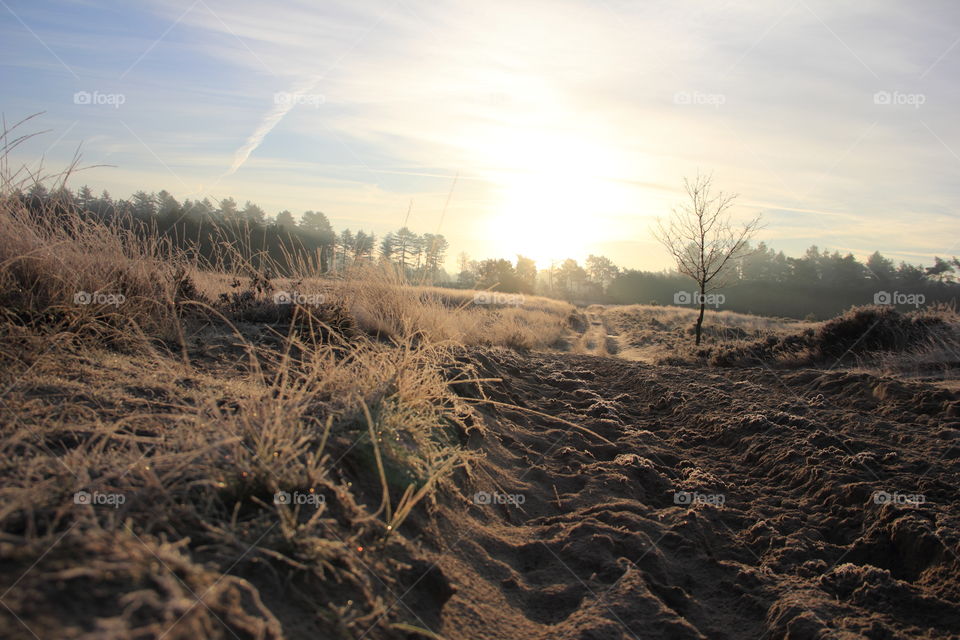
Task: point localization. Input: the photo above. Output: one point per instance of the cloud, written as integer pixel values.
(416, 91)
(283, 103)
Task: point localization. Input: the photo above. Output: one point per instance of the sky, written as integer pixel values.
(549, 128)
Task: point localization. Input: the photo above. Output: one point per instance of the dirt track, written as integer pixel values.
(596, 339)
(740, 505)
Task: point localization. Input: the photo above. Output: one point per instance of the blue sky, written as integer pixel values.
(570, 124)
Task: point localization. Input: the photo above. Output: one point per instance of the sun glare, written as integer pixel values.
(556, 196)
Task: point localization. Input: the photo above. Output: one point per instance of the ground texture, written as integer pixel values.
(690, 504)
(603, 498)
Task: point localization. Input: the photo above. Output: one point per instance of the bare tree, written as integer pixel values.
(702, 240)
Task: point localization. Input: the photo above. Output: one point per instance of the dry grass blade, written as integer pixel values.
(514, 407)
(407, 503)
(385, 501)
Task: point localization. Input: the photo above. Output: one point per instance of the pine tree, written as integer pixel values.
(85, 198)
(317, 223)
(388, 247)
(144, 204)
(346, 242)
(285, 219)
(228, 210)
(405, 242)
(167, 204)
(252, 213)
(881, 268)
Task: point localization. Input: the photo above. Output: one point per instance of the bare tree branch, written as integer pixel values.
(701, 238)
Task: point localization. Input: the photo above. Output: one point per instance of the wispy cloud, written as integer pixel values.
(283, 103)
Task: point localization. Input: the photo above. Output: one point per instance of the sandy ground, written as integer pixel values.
(698, 505)
(597, 337)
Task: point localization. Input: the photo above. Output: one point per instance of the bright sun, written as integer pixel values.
(556, 197)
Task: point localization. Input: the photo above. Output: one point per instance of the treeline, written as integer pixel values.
(280, 242)
(569, 280)
(820, 284)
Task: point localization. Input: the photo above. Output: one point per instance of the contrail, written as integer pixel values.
(283, 102)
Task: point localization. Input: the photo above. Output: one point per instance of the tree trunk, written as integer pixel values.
(700, 318)
(324, 258)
